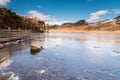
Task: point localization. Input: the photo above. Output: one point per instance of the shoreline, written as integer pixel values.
(91, 31)
(4, 42)
(15, 40)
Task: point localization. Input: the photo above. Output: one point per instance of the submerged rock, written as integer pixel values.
(115, 51)
(111, 76)
(96, 47)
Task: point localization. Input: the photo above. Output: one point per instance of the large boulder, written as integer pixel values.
(35, 49)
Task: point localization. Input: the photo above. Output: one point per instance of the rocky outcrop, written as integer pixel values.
(81, 22)
(118, 20)
(67, 24)
(78, 23)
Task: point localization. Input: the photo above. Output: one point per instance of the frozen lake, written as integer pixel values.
(66, 56)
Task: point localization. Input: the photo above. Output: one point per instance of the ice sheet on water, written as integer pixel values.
(41, 71)
(5, 63)
(11, 75)
(40, 59)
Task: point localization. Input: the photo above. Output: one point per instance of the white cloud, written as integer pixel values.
(97, 15)
(55, 21)
(47, 18)
(116, 11)
(39, 15)
(4, 2)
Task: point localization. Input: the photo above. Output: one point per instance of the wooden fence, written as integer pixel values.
(10, 34)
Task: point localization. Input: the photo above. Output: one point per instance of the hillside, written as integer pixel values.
(15, 21)
(82, 25)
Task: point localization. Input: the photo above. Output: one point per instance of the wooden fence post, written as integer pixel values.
(9, 28)
(29, 33)
(19, 32)
(26, 34)
(9, 31)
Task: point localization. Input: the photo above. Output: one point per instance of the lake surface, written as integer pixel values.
(65, 56)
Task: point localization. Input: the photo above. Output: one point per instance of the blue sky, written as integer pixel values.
(60, 11)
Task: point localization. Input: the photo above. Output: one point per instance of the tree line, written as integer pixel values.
(15, 21)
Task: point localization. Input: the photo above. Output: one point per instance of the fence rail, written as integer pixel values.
(7, 35)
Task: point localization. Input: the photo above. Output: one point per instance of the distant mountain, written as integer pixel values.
(81, 22)
(82, 25)
(78, 23)
(53, 26)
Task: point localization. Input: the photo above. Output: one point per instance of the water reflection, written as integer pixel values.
(34, 52)
(66, 56)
